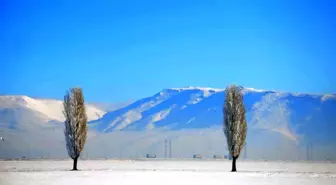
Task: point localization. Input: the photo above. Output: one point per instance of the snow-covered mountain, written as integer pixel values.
(111, 106)
(280, 124)
(23, 111)
(290, 114)
(293, 115)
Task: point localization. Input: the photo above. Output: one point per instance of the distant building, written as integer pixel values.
(228, 157)
(150, 156)
(217, 156)
(197, 156)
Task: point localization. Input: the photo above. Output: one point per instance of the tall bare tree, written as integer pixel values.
(234, 124)
(75, 123)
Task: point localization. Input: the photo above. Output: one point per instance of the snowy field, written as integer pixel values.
(166, 172)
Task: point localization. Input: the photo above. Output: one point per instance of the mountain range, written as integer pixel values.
(297, 117)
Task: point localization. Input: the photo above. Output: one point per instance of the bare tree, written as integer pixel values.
(234, 124)
(75, 123)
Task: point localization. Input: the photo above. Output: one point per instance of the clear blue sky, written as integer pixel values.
(120, 50)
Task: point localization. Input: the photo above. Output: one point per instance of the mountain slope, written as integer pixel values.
(295, 116)
(20, 111)
(110, 106)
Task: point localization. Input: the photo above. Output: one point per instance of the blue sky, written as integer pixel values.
(120, 50)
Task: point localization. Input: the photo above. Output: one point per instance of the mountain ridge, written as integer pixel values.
(51, 108)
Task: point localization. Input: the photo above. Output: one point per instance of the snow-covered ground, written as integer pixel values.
(166, 172)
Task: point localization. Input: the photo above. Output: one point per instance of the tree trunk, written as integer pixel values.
(234, 164)
(75, 164)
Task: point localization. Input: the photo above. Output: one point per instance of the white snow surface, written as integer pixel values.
(327, 97)
(273, 114)
(245, 89)
(191, 120)
(157, 117)
(128, 118)
(153, 172)
(198, 88)
(50, 108)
